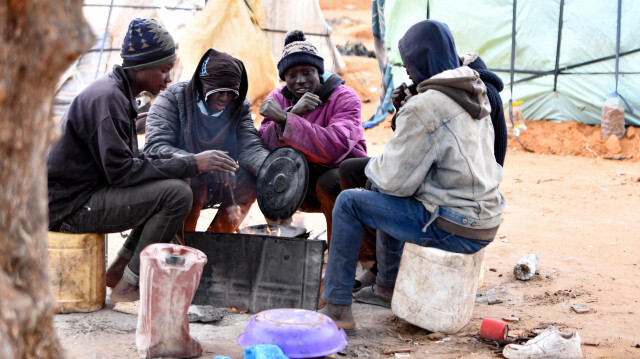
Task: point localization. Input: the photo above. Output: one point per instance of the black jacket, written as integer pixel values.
(99, 148)
(168, 117)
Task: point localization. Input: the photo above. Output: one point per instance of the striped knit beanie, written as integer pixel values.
(147, 44)
(298, 51)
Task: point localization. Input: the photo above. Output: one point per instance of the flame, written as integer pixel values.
(234, 309)
(269, 230)
(235, 212)
(279, 233)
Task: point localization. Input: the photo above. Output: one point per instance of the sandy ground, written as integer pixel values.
(578, 211)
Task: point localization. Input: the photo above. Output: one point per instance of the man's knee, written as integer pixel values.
(245, 191)
(179, 196)
(328, 186)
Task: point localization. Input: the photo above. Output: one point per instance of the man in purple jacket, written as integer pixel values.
(99, 182)
(317, 114)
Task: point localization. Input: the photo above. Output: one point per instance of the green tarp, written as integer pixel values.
(588, 33)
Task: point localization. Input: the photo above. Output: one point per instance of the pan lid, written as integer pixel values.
(282, 183)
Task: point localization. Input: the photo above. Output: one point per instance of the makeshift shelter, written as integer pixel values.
(561, 58)
(305, 15)
(233, 26)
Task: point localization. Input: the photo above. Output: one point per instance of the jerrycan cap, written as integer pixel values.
(175, 259)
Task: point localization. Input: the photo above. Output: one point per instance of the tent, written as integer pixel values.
(305, 15)
(560, 58)
(234, 26)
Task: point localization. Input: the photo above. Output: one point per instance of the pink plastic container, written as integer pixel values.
(169, 277)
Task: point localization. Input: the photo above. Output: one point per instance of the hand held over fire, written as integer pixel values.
(214, 160)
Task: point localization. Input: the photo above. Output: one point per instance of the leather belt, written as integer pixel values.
(485, 234)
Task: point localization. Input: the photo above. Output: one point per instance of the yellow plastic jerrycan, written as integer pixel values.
(77, 266)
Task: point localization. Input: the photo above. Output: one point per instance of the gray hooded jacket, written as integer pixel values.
(442, 152)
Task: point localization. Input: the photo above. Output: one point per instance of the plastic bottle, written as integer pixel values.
(612, 117)
(169, 277)
(436, 289)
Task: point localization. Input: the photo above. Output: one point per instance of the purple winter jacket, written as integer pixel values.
(327, 135)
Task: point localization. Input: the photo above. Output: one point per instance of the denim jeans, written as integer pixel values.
(397, 220)
(155, 210)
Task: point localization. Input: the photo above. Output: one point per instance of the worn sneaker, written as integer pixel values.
(550, 344)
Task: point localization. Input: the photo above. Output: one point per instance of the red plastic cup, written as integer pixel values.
(493, 329)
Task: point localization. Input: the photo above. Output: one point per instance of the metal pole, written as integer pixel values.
(104, 38)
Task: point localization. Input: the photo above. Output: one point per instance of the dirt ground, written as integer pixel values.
(574, 201)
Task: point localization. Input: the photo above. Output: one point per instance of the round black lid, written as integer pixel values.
(282, 183)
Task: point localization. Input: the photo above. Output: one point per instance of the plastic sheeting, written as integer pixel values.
(305, 15)
(588, 33)
(231, 26)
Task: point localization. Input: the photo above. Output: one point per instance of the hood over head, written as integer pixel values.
(219, 71)
(427, 49)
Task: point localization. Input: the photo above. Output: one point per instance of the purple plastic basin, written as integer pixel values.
(299, 333)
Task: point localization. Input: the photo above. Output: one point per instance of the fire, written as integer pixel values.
(235, 212)
(277, 233)
(234, 309)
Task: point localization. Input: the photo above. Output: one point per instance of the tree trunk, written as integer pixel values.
(40, 39)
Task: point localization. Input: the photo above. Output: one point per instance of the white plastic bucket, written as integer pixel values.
(436, 289)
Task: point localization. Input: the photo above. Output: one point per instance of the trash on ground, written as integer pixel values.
(511, 319)
(516, 333)
(493, 329)
(264, 351)
(526, 267)
(205, 313)
(398, 350)
(580, 308)
(551, 343)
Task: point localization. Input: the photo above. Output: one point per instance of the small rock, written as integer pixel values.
(205, 313)
(612, 144)
(435, 336)
(580, 308)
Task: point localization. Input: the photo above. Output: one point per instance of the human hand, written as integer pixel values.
(225, 178)
(271, 109)
(308, 102)
(398, 96)
(214, 160)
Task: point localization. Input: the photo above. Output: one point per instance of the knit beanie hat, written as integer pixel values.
(147, 44)
(298, 51)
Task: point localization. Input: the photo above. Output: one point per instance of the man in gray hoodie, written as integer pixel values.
(435, 184)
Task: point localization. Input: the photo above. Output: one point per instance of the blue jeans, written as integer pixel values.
(397, 220)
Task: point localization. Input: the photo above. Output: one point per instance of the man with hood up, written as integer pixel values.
(211, 112)
(435, 184)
